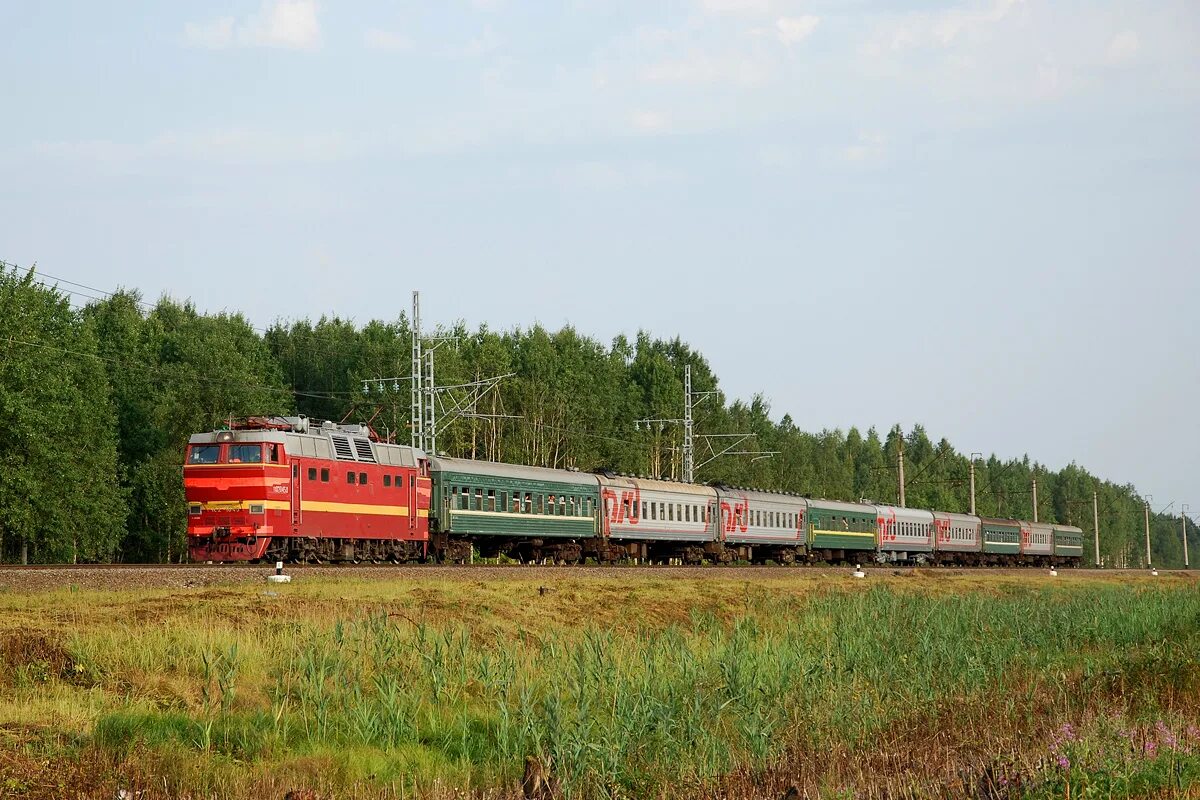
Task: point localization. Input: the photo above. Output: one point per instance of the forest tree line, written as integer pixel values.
(97, 403)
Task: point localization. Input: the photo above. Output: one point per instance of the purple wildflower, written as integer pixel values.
(1064, 762)
(1165, 736)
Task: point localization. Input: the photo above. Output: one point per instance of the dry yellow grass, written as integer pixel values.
(721, 683)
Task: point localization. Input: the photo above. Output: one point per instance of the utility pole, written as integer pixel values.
(430, 424)
(426, 397)
(901, 470)
(417, 409)
(1186, 564)
(1149, 498)
(688, 454)
(1035, 504)
(972, 466)
(690, 401)
(1096, 523)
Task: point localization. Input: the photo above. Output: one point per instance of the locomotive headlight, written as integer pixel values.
(225, 436)
(194, 509)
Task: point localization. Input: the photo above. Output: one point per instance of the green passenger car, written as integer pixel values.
(481, 499)
(1068, 541)
(1001, 536)
(841, 526)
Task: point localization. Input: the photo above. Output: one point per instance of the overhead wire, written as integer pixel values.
(327, 394)
(152, 368)
(326, 346)
(100, 295)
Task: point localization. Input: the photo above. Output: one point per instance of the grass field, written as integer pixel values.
(628, 685)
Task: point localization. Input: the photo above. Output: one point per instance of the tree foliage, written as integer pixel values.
(61, 494)
(103, 399)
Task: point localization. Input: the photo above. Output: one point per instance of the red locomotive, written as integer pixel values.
(273, 488)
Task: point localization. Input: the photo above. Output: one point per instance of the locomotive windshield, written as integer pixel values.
(204, 454)
(245, 453)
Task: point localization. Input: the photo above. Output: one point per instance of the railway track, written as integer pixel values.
(790, 569)
(117, 577)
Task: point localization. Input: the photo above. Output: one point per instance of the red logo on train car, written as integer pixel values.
(627, 506)
(735, 517)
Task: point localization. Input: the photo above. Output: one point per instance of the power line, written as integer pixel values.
(152, 368)
(327, 346)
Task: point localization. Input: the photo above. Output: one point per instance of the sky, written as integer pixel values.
(980, 216)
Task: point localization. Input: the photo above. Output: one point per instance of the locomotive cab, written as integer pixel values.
(272, 488)
(237, 486)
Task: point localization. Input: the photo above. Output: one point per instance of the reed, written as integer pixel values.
(833, 689)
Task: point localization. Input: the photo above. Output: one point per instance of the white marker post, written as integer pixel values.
(279, 577)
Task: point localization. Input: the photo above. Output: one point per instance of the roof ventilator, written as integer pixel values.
(341, 447)
(363, 448)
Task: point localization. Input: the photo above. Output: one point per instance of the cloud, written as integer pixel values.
(649, 121)
(213, 35)
(781, 158)
(1123, 47)
(736, 6)
(699, 68)
(869, 148)
(230, 146)
(485, 43)
(379, 39)
(941, 28)
(603, 175)
(289, 24)
(792, 30)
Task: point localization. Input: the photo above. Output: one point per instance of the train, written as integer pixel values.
(299, 490)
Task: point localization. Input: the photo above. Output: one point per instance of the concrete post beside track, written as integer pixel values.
(1149, 561)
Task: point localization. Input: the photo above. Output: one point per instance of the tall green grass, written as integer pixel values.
(625, 714)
